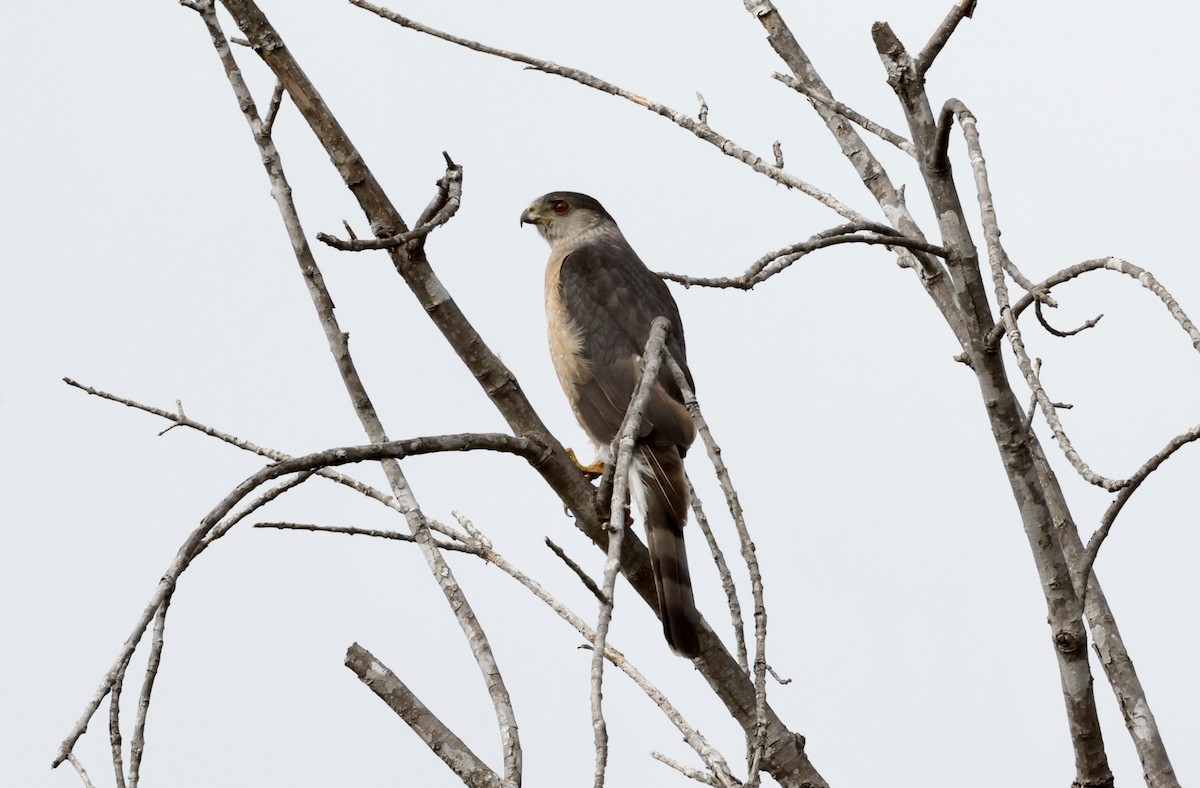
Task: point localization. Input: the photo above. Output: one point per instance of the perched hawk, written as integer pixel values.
(600, 302)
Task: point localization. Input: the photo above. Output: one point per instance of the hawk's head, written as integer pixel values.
(562, 215)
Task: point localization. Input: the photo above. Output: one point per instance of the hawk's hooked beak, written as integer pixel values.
(531, 216)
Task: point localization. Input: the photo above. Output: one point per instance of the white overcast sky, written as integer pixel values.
(143, 255)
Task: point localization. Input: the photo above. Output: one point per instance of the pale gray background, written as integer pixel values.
(142, 254)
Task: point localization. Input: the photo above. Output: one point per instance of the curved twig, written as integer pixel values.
(1118, 503)
(997, 257)
(1144, 277)
(779, 260)
(1037, 308)
(530, 449)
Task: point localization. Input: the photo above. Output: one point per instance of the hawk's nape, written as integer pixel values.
(601, 300)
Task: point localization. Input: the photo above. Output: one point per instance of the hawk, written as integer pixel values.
(600, 301)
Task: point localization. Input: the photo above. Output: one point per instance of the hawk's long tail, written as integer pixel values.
(664, 501)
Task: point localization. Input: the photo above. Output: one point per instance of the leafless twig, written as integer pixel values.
(1037, 308)
(440, 739)
(885, 134)
(439, 211)
(1144, 277)
(385, 221)
(623, 448)
(273, 108)
(137, 746)
(997, 256)
(779, 260)
(114, 729)
(83, 775)
(704, 778)
(731, 598)
(700, 129)
(1118, 503)
(961, 10)
(758, 740)
(375, 532)
(583, 576)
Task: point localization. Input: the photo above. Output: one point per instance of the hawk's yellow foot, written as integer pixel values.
(593, 471)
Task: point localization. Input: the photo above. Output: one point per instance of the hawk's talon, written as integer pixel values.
(593, 471)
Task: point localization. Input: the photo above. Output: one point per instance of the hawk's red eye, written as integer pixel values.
(560, 207)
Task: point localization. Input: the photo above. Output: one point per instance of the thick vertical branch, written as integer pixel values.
(1005, 416)
(1110, 647)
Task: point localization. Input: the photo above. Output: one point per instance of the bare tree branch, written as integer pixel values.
(197, 541)
(1109, 646)
(137, 747)
(731, 597)
(1143, 276)
(885, 134)
(695, 774)
(699, 128)
(779, 260)
(442, 741)
(623, 453)
(83, 775)
(758, 741)
(1037, 308)
(961, 10)
(273, 109)
(1135, 481)
(375, 532)
(1016, 445)
(181, 420)
(114, 729)
(583, 576)
(997, 256)
(440, 210)
(872, 174)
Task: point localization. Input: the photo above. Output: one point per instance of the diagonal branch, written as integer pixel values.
(758, 739)
(1018, 449)
(874, 177)
(698, 127)
(442, 741)
(409, 261)
(961, 10)
(1135, 481)
(885, 134)
(786, 757)
(996, 257)
(198, 540)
